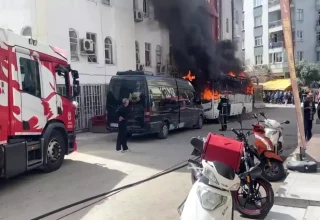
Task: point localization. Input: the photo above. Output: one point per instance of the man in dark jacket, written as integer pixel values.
(223, 108)
(309, 109)
(123, 112)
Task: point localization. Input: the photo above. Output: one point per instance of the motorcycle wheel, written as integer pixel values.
(254, 212)
(275, 172)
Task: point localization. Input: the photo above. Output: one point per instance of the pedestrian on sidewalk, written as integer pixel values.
(309, 109)
(122, 113)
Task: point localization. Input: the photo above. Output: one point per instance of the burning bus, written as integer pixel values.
(237, 88)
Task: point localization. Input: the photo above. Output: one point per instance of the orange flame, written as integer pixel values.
(189, 77)
(250, 89)
(207, 94)
(231, 74)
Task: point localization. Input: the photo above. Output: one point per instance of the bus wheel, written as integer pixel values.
(164, 131)
(55, 152)
(243, 113)
(199, 123)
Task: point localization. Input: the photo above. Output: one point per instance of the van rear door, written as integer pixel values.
(134, 89)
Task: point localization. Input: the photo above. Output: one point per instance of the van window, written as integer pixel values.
(162, 97)
(130, 87)
(30, 76)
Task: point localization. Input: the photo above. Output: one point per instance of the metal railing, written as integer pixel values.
(275, 44)
(92, 102)
(274, 24)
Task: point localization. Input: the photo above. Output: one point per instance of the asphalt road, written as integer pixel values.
(96, 168)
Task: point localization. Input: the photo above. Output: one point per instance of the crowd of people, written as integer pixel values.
(278, 97)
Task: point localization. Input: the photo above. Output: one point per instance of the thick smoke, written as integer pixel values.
(189, 24)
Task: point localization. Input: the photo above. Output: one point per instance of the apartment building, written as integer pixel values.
(263, 44)
(100, 36)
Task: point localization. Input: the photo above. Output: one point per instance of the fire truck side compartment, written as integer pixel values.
(15, 159)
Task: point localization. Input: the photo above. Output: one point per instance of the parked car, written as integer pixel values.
(158, 104)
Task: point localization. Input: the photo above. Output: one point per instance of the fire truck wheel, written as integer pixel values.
(55, 152)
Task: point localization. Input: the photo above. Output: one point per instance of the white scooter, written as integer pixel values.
(210, 197)
(274, 131)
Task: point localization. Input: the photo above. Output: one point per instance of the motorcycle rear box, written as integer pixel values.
(223, 149)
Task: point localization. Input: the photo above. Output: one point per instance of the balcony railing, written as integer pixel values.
(275, 44)
(274, 2)
(274, 24)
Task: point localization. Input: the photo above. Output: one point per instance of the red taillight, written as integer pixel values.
(147, 115)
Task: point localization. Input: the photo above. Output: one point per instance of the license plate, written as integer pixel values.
(115, 125)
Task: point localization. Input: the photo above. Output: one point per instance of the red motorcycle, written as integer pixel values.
(270, 162)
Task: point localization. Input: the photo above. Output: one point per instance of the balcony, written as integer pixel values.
(274, 5)
(318, 45)
(273, 45)
(275, 26)
(279, 67)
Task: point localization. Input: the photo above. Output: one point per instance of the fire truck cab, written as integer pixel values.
(37, 124)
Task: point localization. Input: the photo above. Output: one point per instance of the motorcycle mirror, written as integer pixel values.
(287, 122)
(197, 144)
(262, 114)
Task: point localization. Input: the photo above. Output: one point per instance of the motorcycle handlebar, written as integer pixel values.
(235, 131)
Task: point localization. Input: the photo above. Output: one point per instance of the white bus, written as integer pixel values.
(238, 91)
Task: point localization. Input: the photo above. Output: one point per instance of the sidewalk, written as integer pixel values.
(298, 198)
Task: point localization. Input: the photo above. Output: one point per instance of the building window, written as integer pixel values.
(159, 54)
(276, 57)
(299, 35)
(257, 3)
(146, 8)
(26, 31)
(148, 54)
(237, 17)
(243, 44)
(30, 76)
(106, 2)
(258, 41)
(227, 25)
(242, 25)
(299, 55)
(318, 56)
(92, 56)
(259, 59)
(300, 14)
(137, 52)
(108, 51)
(257, 21)
(73, 37)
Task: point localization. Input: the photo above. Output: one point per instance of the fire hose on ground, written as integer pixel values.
(110, 193)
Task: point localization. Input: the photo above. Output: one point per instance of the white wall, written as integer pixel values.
(226, 8)
(249, 37)
(15, 14)
(52, 19)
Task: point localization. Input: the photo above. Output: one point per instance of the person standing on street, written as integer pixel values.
(122, 113)
(309, 109)
(223, 108)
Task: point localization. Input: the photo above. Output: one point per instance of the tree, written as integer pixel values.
(307, 72)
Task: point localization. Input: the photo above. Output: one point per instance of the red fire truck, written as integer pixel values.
(37, 124)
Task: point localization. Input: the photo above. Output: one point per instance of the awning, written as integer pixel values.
(278, 84)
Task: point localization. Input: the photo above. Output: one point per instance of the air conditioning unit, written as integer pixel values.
(86, 45)
(138, 16)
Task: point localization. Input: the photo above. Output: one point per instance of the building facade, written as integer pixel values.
(100, 36)
(263, 42)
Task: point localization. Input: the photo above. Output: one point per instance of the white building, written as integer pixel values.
(263, 34)
(100, 36)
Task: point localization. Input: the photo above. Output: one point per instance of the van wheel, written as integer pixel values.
(55, 152)
(199, 123)
(164, 131)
